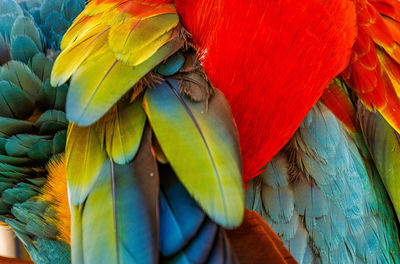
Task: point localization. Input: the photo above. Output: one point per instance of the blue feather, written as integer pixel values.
(180, 216)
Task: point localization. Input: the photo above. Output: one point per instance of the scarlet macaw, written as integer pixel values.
(146, 118)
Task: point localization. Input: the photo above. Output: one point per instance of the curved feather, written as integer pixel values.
(383, 142)
(85, 160)
(194, 136)
(122, 130)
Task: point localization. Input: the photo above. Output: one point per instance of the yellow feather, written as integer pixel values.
(55, 191)
(135, 41)
(73, 56)
(82, 29)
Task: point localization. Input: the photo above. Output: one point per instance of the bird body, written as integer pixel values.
(174, 106)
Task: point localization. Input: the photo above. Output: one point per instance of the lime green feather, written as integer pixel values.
(85, 159)
(99, 83)
(384, 144)
(197, 135)
(122, 130)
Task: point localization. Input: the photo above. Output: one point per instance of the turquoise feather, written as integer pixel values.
(341, 212)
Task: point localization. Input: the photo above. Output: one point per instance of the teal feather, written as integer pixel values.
(52, 97)
(24, 26)
(173, 64)
(10, 7)
(41, 66)
(23, 48)
(55, 16)
(6, 22)
(345, 216)
(51, 122)
(14, 102)
(22, 76)
(9, 126)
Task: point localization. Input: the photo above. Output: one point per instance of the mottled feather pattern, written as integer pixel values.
(332, 206)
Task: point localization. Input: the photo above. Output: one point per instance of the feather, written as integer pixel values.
(51, 122)
(41, 66)
(383, 142)
(126, 228)
(143, 37)
(83, 172)
(52, 97)
(23, 48)
(14, 102)
(122, 129)
(23, 77)
(187, 133)
(24, 26)
(180, 216)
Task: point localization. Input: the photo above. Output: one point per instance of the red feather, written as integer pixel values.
(272, 59)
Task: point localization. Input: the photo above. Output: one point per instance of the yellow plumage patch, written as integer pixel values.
(110, 46)
(55, 191)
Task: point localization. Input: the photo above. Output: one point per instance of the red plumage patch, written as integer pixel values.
(272, 59)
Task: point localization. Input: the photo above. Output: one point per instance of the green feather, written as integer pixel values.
(52, 97)
(122, 131)
(41, 66)
(384, 144)
(23, 48)
(10, 126)
(85, 159)
(20, 74)
(51, 122)
(14, 102)
(26, 27)
(20, 145)
(202, 146)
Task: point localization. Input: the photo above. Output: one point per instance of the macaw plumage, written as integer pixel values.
(33, 127)
(172, 105)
